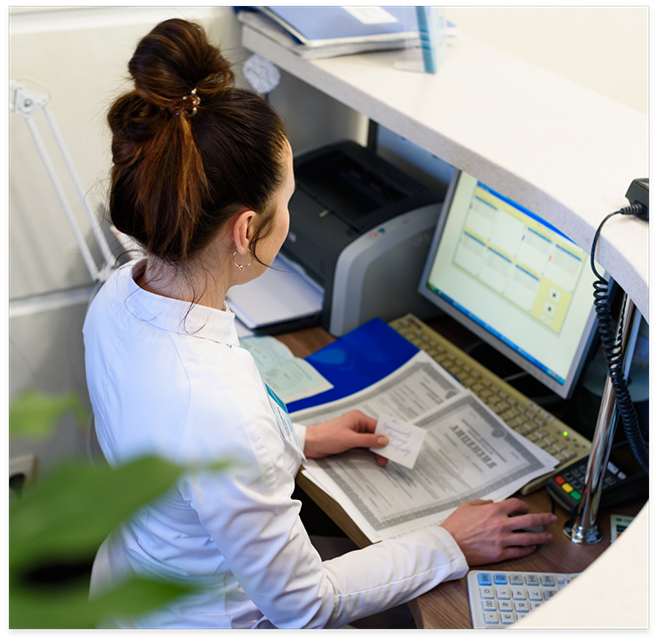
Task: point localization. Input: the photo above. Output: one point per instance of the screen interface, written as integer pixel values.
(515, 276)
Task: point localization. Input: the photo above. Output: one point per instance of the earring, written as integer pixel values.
(240, 267)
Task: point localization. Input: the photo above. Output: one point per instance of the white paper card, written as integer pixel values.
(371, 15)
(404, 440)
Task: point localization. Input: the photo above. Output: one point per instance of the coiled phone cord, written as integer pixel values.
(611, 343)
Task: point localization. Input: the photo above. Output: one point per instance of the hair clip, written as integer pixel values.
(188, 112)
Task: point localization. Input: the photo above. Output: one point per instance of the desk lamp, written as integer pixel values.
(26, 102)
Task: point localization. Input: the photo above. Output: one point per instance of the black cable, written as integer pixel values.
(611, 343)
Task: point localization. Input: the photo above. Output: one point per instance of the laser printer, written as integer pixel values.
(360, 228)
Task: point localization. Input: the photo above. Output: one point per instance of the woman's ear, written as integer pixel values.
(243, 230)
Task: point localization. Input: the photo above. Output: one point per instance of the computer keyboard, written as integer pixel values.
(499, 599)
(517, 410)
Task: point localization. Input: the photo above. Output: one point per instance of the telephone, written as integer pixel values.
(638, 194)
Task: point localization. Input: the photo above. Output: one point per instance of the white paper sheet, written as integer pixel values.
(281, 294)
(291, 378)
(468, 453)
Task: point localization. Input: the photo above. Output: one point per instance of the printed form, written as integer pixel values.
(468, 453)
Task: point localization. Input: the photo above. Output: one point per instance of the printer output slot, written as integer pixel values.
(347, 188)
(372, 187)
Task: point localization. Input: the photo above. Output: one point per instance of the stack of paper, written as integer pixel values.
(468, 453)
(280, 295)
(323, 32)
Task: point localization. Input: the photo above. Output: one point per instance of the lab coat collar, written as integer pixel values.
(176, 315)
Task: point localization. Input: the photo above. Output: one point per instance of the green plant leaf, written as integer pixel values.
(69, 513)
(64, 519)
(35, 414)
(71, 607)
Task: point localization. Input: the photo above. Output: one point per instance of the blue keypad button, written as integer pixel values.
(500, 579)
(484, 578)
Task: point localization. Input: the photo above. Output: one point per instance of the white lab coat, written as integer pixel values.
(171, 380)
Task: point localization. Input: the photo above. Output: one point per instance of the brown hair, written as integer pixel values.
(177, 179)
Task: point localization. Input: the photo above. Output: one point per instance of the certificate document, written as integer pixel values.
(468, 453)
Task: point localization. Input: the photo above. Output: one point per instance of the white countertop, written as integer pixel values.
(561, 150)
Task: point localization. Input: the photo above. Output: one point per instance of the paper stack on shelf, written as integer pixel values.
(326, 32)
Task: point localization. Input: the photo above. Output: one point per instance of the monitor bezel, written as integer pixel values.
(563, 390)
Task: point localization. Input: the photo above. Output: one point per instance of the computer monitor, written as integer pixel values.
(514, 280)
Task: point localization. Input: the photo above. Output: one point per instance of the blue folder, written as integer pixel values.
(357, 360)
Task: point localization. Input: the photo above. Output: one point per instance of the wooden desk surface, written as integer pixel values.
(446, 606)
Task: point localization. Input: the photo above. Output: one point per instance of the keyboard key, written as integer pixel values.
(489, 605)
(507, 618)
(515, 579)
(535, 594)
(519, 594)
(505, 606)
(503, 593)
(521, 606)
(491, 618)
(484, 578)
(487, 593)
(531, 579)
(500, 579)
(548, 579)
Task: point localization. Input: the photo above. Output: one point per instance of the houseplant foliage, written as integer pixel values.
(57, 526)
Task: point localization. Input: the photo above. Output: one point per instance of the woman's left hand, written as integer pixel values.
(353, 429)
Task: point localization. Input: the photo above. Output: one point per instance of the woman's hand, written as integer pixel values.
(487, 532)
(353, 429)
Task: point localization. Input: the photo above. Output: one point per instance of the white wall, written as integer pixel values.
(603, 48)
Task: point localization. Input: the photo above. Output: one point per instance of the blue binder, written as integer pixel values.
(357, 360)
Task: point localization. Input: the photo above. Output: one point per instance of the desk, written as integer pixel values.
(446, 606)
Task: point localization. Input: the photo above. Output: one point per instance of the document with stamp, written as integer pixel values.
(467, 453)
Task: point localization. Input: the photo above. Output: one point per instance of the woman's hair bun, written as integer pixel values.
(179, 173)
(174, 58)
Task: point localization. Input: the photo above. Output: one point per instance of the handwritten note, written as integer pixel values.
(404, 440)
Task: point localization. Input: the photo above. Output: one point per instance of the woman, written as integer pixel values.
(202, 177)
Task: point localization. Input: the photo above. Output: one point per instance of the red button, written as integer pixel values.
(559, 480)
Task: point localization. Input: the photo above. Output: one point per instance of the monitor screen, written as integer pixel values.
(514, 280)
